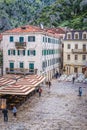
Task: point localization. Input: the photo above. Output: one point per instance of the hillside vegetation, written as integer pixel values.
(52, 13)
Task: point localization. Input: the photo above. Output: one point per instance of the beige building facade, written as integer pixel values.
(75, 52)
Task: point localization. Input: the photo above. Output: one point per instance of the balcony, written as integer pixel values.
(21, 71)
(20, 45)
(79, 51)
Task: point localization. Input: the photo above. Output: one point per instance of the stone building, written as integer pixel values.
(75, 51)
(31, 50)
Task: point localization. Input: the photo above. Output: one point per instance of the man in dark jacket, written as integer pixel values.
(5, 113)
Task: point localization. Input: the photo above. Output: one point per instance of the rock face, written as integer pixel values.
(59, 108)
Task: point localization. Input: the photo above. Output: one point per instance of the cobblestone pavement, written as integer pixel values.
(59, 108)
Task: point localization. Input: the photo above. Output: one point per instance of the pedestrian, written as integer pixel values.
(49, 84)
(73, 80)
(80, 91)
(57, 74)
(14, 111)
(5, 113)
(40, 91)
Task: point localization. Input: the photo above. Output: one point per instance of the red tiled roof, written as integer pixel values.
(56, 30)
(28, 28)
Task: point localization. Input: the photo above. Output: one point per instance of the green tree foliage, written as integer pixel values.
(52, 13)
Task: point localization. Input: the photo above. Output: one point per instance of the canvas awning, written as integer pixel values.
(6, 81)
(23, 86)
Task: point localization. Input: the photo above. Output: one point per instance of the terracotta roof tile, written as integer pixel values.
(29, 28)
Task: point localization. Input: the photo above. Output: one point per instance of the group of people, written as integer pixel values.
(5, 113)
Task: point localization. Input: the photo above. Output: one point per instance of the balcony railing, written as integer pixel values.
(21, 71)
(20, 45)
(79, 51)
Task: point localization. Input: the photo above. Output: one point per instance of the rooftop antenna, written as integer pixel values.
(41, 26)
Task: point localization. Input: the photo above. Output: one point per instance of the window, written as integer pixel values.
(11, 66)
(68, 46)
(68, 57)
(8, 52)
(76, 36)
(84, 47)
(76, 57)
(31, 67)
(83, 57)
(76, 70)
(11, 52)
(31, 38)
(21, 39)
(68, 36)
(76, 46)
(21, 65)
(11, 39)
(43, 39)
(84, 36)
(31, 52)
(49, 40)
(21, 52)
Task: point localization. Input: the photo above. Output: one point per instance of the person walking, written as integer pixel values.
(5, 113)
(80, 91)
(57, 74)
(40, 91)
(14, 111)
(73, 80)
(49, 84)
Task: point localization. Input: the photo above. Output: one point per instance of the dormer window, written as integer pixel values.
(76, 36)
(84, 36)
(68, 36)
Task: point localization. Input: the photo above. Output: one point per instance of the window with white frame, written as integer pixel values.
(76, 46)
(76, 36)
(84, 35)
(68, 46)
(76, 57)
(83, 57)
(11, 52)
(21, 52)
(68, 57)
(68, 36)
(84, 47)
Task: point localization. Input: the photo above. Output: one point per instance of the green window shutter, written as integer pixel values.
(8, 52)
(21, 39)
(11, 39)
(44, 52)
(18, 52)
(34, 52)
(28, 38)
(34, 38)
(13, 52)
(28, 52)
(23, 52)
(21, 65)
